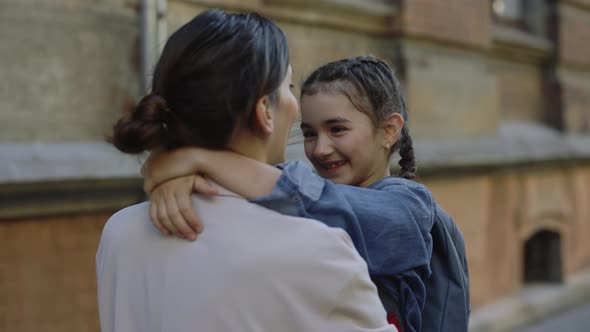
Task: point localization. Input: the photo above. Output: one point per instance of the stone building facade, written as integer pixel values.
(499, 100)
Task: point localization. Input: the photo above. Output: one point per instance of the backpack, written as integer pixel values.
(447, 306)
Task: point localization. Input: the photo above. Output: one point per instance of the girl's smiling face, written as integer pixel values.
(341, 142)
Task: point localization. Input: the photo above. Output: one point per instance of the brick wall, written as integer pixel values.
(47, 273)
(505, 211)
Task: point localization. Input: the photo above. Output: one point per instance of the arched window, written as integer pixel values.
(542, 258)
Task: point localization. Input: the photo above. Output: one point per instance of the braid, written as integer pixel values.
(406, 151)
(382, 64)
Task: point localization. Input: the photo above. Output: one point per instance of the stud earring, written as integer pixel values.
(387, 146)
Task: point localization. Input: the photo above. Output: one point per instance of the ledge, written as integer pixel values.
(44, 179)
(519, 45)
(50, 198)
(518, 145)
(56, 161)
(352, 15)
(580, 4)
(41, 179)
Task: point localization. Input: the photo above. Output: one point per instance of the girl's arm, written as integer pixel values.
(171, 177)
(244, 176)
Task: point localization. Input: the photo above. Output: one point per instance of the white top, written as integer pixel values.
(252, 269)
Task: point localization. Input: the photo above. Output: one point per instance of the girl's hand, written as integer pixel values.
(171, 208)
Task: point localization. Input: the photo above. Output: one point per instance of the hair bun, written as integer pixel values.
(144, 128)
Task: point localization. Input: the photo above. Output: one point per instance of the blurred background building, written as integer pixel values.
(499, 100)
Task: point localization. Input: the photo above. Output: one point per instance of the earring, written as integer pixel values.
(387, 146)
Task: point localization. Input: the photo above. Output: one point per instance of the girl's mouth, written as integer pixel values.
(333, 166)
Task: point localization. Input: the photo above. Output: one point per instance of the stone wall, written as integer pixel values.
(69, 68)
(574, 65)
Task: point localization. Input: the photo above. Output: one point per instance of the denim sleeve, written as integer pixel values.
(297, 182)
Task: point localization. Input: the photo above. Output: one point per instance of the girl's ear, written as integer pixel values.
(393, 127)
(263, 116)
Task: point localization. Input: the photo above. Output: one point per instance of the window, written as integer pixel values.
(509, 10)
(530, 16)
(542, 258)
(510, 13)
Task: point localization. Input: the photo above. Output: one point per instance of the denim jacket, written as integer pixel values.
(390, 228)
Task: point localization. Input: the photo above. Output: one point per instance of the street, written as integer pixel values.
(576, 320)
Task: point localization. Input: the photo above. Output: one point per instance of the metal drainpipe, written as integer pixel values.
(162, 26)
(152, 34)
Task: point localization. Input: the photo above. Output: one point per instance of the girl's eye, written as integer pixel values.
(308, 134)
(337, 130)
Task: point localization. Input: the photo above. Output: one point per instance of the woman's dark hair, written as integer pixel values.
(208, 79)
(371, 86)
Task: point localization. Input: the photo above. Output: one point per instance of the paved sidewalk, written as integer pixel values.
(575, 320)
(533, 304)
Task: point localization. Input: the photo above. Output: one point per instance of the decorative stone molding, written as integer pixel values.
(59, 198)
(581, 4)
(363, 16)
(518, 145)
(43, 179)
(520, 46)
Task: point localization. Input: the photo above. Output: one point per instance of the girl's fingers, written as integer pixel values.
(183, 228)
(202, 186)
(171, 206)
(155, 220)
(164, 219)
(185, 206)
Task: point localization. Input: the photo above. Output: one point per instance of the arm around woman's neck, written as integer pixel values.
(245, 176)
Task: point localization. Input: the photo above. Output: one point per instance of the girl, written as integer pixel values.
(353, 120)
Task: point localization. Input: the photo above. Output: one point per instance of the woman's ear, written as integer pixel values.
(393, 127)
(263, 116)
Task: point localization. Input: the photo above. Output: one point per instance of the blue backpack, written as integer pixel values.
(447, 306)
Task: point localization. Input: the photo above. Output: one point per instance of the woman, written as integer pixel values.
(353, 119)
(223, 82)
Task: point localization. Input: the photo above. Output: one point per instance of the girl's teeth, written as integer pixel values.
(336, 164)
